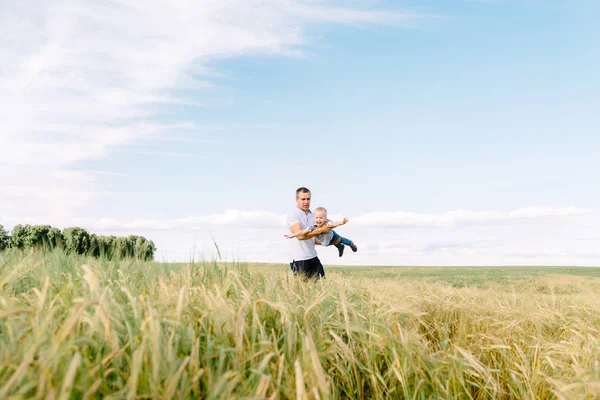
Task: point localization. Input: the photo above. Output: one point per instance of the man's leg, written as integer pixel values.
(308, 268)
(297, 266)
(315, 268)
(301, 268)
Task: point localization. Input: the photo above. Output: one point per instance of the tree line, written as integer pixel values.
(77, 240)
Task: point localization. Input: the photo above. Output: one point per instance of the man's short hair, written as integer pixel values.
(302, 190)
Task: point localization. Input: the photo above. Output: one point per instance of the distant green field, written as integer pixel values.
(75, 327)
(455, 276)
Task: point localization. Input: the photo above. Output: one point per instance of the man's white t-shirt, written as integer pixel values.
(301, 249)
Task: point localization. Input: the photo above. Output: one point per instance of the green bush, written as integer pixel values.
(17, 237)
(4, 238)
(76, 240)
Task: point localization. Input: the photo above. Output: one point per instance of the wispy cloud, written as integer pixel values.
(85, 77)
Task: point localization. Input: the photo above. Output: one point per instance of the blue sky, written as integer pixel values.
(451, 133)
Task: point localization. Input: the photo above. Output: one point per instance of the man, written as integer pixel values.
(303, 254)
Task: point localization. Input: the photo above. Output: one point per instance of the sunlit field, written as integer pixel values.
(76, 327)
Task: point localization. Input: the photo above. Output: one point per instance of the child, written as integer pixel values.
(328, 238)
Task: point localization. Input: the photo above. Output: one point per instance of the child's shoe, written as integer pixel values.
(340, 248)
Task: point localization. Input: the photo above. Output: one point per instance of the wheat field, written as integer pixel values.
(76, 328)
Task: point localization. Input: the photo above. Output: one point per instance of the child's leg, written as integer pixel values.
(348, 242)
(336, 241)
(345, 241)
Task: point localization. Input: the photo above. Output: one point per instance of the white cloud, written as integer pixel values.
(267, 219)
(551, 236)
(551, 252)
(460, 217)
(47, 194)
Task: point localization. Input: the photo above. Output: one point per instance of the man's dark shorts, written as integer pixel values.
(309, 268)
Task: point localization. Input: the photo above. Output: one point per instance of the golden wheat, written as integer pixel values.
(83, 328)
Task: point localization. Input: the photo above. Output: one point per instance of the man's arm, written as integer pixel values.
(298, 233)
(302, 234)
(317, 231)
(296, 229)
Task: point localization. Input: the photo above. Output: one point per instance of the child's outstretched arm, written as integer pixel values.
(336, 224)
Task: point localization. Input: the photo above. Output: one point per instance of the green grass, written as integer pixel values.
(72, 327)
(470, 276)
(480, 277)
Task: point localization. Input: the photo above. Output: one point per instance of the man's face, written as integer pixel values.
(303, 201)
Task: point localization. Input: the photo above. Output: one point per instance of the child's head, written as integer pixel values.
(320, 216)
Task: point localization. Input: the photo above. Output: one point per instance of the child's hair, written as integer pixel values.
(321, 209)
